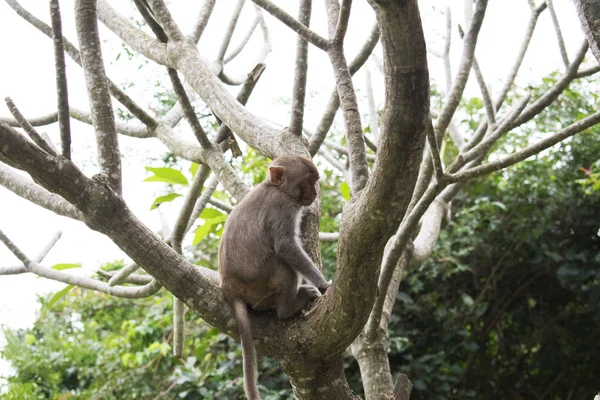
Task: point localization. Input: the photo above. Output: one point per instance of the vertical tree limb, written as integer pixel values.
(109, 156)
(299, 91)
(61, 80)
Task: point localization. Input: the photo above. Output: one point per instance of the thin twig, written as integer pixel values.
(122, 274)
(435, 152)
(454, 96)
(342, 24)
(235, 15)
(483, 147)
(33, 134)
(521, 155)
(559, 37)
(203, 18)
(183, 218)
(512, 74)
(165, 20)
(61, 80)
(15, 250)
(328, 117)
(300, 75)
(188, 110)
(312, 37)
(238, 49)
(202, 201)
(373, 116)
(547, 98)
(46, 249)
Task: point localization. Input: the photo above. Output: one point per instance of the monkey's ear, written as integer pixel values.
(276, 175)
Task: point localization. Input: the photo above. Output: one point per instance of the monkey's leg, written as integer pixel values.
(292, 298)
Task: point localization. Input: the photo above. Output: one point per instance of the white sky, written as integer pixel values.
(27, 76)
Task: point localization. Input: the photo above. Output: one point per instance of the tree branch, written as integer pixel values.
(299, 91)
(109, 156)
(334, 100)
(61, 80)
(33, 134)
(310, 36)
(521, 155)
(559, 37)
(203, 18)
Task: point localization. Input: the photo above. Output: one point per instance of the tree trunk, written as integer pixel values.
(318, 380)
(374, 365)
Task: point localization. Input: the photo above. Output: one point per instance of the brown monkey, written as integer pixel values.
(261, 260)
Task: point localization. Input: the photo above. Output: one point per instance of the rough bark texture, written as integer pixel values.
(589, 15)
(370, 219)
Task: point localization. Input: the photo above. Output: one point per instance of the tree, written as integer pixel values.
(401, 182)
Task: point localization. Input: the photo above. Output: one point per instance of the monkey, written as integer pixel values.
(261, 260)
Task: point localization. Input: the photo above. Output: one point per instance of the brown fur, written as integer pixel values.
(261, 260)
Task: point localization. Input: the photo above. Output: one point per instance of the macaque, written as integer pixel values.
(261, 260)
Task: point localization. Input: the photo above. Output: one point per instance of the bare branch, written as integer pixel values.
(164, 18)
(482, 148)
(373, 116)
(485, 95)
(395, 247)
(559, 37)
(188, 109)
(203, 17)
(329, 236)
(453, 97)
(122, 274)
(342, 24)
(15, 250)
(178, 327)
(46, 249)
(446, 52)
(521, 155)
(334, 101)
(225, 207)
(582, 73)
(512, 74)
(431, 224)
(183, 218)
(312, 37)
(435, 152)
(551, 95)
(203, 200)
(109, 156)
(61, 80)
(136, 279)
(235, 14)
(299, 91)
(35, 121)
(238, 49)
(33, 134)
(36, 194)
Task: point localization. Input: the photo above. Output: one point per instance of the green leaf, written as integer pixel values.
(206, 228)
(29, 339)
(164, 199)
(345, 190)
(194, 168)
(59, 295)
(168, 175)
(210, 213)
(61, 267)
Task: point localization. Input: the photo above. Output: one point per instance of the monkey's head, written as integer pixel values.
(296, 176)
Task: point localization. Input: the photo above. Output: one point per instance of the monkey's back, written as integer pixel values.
(246, 251)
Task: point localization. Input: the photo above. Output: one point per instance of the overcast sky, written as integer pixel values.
(27, 76)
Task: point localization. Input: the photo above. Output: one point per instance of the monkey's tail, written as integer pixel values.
(248, 351)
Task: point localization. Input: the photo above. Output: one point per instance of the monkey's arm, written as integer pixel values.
(289, 249)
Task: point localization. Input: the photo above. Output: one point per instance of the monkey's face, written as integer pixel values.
(308, 192)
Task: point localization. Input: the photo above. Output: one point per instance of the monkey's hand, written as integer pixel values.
(323, 287)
